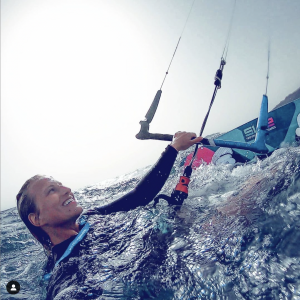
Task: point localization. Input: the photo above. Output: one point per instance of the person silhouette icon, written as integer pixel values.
(13, 287)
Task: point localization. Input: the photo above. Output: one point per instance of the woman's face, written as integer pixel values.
(55, 202)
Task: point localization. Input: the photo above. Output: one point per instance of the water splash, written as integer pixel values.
(235, 237)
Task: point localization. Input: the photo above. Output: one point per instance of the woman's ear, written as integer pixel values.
(33, 219)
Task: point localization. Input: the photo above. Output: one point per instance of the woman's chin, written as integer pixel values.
(76, 211)
(79, 209)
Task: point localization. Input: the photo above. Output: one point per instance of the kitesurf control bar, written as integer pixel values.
(258, 146)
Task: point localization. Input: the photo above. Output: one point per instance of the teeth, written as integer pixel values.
(70, 200)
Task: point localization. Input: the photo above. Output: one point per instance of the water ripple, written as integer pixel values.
(236, 237)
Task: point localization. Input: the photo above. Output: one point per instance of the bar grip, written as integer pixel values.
(154, 136)
(151, 112)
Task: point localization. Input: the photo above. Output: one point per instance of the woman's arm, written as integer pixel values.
(148, 187)
(155, 179)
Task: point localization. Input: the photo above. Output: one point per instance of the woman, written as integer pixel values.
(50, 212)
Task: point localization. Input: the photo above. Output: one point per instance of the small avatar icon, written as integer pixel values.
(13, 287)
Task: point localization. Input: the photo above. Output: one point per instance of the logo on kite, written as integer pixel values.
(250, 132)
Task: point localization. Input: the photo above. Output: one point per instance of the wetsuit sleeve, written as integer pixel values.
(147, 188)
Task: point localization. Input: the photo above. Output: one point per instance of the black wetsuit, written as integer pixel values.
(67, 277)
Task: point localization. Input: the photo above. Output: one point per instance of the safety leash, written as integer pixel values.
(180, 193)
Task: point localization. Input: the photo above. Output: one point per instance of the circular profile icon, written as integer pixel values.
(13, 287)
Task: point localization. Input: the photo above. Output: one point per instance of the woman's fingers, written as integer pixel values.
(197, 139)
(183, 140)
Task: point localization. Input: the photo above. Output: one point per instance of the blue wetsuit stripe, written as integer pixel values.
(82, 233)
(78, 238)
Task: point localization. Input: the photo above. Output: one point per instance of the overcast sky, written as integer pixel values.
(77, 76)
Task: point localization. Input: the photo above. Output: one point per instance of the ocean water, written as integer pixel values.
(237, 236)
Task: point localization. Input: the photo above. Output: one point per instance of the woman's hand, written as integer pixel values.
(183, 140)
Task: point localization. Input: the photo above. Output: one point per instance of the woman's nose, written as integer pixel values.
(65, 189)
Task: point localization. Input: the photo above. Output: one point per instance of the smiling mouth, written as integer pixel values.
(68, 201)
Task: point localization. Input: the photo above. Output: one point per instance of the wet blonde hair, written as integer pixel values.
(26, 205)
